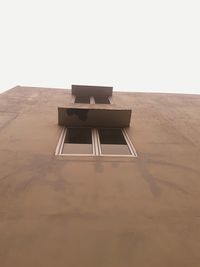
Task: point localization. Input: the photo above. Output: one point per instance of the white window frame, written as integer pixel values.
(128, 143)
(61, 141)
(96, 145)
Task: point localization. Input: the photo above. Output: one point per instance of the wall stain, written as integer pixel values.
(149, 178)
(155, 182)
(99, 166)
(82, 114)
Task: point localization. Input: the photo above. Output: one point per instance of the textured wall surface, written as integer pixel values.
(99, 211)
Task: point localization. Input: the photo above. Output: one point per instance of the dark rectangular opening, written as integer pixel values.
(101, 100)
(78, 136)
(82, 99)
(111, 136)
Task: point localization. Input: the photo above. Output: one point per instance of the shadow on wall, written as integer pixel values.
(80, 113)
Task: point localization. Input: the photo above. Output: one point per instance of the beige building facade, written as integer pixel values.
(99, 210)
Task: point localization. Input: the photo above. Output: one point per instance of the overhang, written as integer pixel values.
(88, 90)
(93, 117)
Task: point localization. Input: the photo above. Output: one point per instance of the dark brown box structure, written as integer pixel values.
(93, 117)
(88, 90)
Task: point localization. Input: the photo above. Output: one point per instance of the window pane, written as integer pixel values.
(115, 149)
(112, 142)
(78, 136)
(78, 141)
(111, 136)
(77, 149)
(82, 99)
(101, 100)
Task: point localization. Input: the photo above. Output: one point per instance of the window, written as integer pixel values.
(97, 142)
(77, 141)
(112, 142)
(101, 100)
(91, 99)
(82, 99)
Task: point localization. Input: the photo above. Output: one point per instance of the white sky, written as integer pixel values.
(141, 45)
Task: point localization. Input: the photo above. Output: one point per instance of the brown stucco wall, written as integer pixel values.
(99, 212)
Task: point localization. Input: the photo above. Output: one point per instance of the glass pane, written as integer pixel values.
(78, 136)
(115, 149)
(77, 148)
(111, 136)
(82, 99)
(101, 100)
(78, 141)
(112, 142)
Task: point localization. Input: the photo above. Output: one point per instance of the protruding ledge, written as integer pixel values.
(88, 90)
(86, 117)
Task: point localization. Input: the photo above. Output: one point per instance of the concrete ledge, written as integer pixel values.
(87, 117)
(88, 90)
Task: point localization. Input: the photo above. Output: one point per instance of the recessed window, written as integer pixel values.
(101, 100)
(78, 141)
(113, 142)
(92, 141)
(82, 99)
